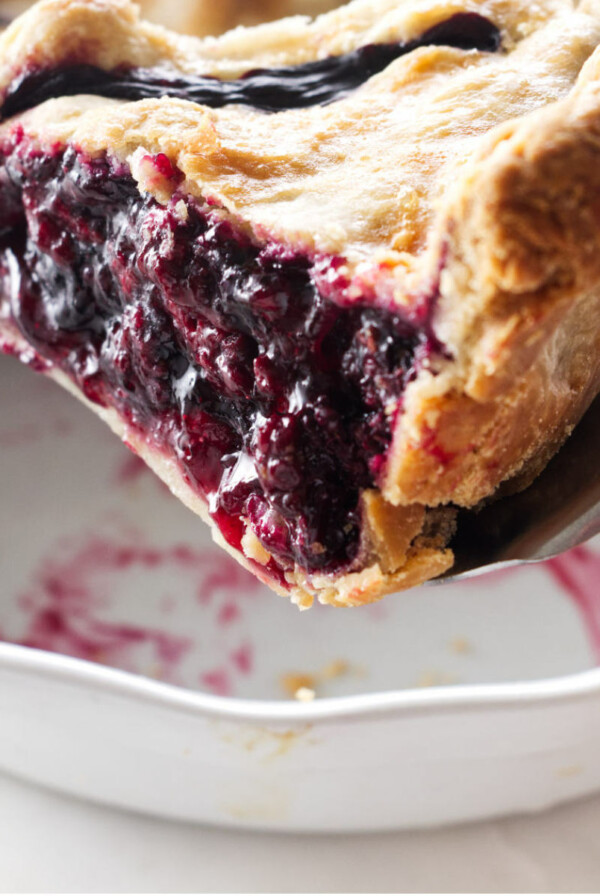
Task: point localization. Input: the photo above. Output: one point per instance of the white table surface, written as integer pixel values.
(53, 844)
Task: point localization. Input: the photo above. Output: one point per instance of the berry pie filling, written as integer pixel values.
(247, 362)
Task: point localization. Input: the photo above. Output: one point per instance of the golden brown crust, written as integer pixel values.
(310, 177)
(372, 583)
(502, 195)
(519, 308)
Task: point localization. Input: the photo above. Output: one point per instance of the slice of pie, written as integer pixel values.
(332, 280)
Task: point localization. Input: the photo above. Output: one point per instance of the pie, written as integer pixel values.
(333, 280)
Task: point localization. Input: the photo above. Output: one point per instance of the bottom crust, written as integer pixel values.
(403, 546)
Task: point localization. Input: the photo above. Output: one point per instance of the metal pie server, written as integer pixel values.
(560, 510)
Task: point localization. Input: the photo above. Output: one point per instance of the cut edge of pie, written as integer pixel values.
(489, 296)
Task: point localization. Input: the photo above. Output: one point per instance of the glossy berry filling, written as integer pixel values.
(247, 362)
(272, 90)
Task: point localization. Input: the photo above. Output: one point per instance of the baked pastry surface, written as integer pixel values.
(326, 319)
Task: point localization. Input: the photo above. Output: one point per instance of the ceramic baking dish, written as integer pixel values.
(141, 667)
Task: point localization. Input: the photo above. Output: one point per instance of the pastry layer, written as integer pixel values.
(344, 178)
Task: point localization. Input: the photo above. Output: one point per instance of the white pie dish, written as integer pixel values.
(98, 561)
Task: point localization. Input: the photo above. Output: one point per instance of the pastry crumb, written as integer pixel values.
(182, 210)
(433, 678)
(294, 682)
(253, 549)
(301, 598)
(305, 695)
(335, 669)
(461, 646)
(569, 771)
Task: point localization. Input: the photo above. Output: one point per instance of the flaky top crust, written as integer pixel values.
(470, 177)
(325, 177)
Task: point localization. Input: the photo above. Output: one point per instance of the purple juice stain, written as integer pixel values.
(72, 587)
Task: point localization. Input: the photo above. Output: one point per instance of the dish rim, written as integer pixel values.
(412, 701)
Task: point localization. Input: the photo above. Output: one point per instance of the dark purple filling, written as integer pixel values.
(277, 400)
(271, 90)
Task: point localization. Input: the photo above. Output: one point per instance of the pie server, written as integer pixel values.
(559, 511)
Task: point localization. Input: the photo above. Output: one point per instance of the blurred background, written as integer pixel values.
(205, 16)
